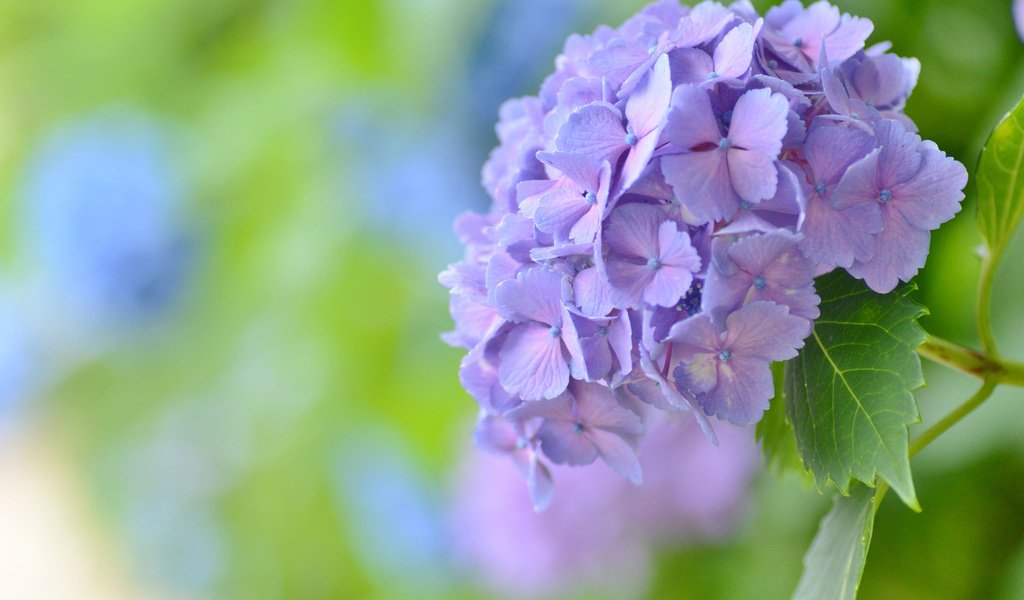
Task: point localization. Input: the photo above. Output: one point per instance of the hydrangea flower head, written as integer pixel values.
(661, 209)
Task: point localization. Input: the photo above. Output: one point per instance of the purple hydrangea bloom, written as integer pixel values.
(660, 211)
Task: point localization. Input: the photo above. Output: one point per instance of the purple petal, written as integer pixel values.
(597, 355)
(638, 159)
(765, 330)
(753, 174)
(934, 195)
(596, 406)
(704, 23)
(848, 38)
(698, 373)
(633, 231)
(1018, 17)
(617, 454)
(565, 443)
(552, 409)
(539, 484)
(628, 280)
(596, 131)
(620, 339)
(534, 295)
(648, 105)
(559, 210)
(618, 60)
(691, 122)
(580, 168)
(759, 122)
(743, 391)
(838, 237)
(830, 149)
(696, 334)
(593, 293)
(533, 364)
(480, 379)
(734, 52)
(691, 66)
(495, 434)
(900, 159)
(902, 250)
(679, 261)
(702, 183)
(860, 184)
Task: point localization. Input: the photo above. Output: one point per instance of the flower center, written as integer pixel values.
(631, 139)
(773, 64)
(885, 195)
(520, 443)
(590, 197)
(759, 283)
(577, 428)
(654, 263)
(555, 331)
(712, 75)
(820, 189)
(724, 355)
(746, 205)
(602, 330)
(798, 42)
(724, 143)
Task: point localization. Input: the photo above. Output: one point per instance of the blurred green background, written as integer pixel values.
(288, 424)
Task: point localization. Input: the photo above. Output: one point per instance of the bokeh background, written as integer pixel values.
(220, 367)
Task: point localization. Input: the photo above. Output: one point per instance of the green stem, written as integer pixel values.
(988, 271)
(971, 361)
(954, 417)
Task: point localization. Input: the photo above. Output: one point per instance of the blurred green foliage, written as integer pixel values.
(306, 328)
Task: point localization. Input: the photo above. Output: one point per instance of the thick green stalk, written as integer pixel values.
(972, 362)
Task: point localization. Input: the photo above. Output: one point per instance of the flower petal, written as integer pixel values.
(532, 363)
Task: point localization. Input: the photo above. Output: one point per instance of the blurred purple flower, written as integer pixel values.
(601, 532)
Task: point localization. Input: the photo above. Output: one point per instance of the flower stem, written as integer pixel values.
(972, 362)
(985, 283)
(954, 417)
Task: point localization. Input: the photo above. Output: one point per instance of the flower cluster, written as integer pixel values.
(660, 211)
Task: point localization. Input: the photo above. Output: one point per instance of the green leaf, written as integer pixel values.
(835, 561)
(848, 393)
(1000, 181)
(775, 432)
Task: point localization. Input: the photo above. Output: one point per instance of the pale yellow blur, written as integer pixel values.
(52, 545)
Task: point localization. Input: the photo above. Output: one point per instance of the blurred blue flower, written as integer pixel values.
(394, 514)
(406, 176)
(20, 372)
(102, 207)
(514, 50)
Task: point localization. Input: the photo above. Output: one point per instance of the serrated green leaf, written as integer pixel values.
(848, 393)
(775, 432)
(835, 561)
(1000, 181)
